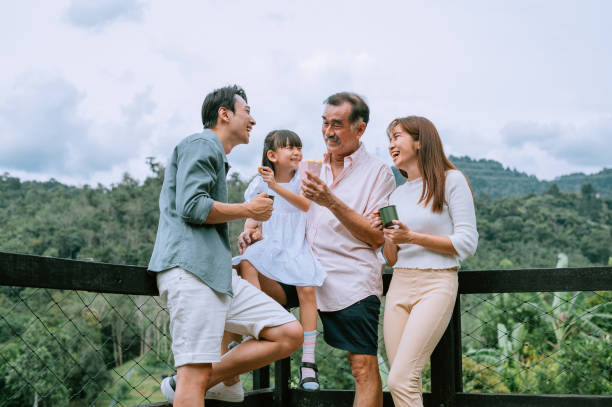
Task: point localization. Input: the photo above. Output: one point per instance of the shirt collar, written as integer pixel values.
(348, 160)
(216, 139)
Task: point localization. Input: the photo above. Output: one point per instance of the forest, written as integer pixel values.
(530, 343)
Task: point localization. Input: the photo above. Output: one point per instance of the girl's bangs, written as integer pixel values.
(286, 138)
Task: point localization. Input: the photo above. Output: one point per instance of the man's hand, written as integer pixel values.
(317, 191)
(260, 207)
(398, 233)
(375, 220)
(247, 238)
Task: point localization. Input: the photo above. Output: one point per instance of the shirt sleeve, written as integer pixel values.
(256, 187)
(196, 176)
(461, 209)
(383, 187)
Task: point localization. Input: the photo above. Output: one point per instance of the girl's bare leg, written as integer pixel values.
(249, 273)
(308, 308)
(308, 317)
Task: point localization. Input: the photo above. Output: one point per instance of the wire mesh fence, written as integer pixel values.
(547, 343)
(544, 343)
(75, 348)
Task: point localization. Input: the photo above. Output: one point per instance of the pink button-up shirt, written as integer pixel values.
(353, 268)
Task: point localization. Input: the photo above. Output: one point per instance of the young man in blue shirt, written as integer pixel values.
(192, 259)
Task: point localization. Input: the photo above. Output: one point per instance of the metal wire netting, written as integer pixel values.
(62, 347)
(547, 343)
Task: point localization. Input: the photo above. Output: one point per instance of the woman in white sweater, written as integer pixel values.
(436, 229)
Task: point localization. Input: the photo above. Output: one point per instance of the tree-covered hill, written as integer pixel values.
(112, 336)
(117, 224)
(491, 178)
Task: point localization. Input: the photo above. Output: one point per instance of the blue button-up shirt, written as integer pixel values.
(194, 179)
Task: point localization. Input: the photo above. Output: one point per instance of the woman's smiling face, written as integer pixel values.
(403, 148)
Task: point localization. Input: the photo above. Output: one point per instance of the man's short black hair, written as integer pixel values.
(359, 108)
(217, 98)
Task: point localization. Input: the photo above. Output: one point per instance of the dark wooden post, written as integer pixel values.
(446, 364)
(261, 378)
(282, 374)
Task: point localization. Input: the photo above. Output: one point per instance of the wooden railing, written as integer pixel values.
(446, 371)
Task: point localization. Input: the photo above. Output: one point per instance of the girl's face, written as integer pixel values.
(286, 157)
(402, 147)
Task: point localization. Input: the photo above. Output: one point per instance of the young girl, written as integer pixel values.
(282, 254)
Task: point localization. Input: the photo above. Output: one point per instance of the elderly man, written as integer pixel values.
(353, 183)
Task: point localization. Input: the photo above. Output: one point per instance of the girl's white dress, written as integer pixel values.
(283, 254)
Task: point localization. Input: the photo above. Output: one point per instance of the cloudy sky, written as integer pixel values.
(88, 89)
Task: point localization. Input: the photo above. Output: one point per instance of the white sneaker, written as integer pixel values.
(233, 393)
(168, 385)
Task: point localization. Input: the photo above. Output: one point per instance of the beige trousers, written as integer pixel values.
(418, 307)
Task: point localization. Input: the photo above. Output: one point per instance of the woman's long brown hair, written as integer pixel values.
(433, 163)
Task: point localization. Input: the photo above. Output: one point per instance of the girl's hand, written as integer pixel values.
(375, 220)
(268, 176)
(399, 234)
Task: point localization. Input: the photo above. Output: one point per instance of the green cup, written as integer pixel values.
(388, 214)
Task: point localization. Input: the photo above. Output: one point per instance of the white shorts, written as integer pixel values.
(199, 315)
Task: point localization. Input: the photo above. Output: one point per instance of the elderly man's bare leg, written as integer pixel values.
(368, 386)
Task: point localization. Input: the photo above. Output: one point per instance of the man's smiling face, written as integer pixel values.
(340, 136)
(241, 120)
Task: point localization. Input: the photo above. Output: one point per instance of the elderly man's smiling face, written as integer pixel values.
(340, 136)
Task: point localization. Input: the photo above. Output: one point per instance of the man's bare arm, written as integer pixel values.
(358, 225)
(259, 208)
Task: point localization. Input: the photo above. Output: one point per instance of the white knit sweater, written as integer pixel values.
(457, 221)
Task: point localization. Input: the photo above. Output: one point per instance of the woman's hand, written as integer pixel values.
(375, 220)
(399, 234)
(268, 176)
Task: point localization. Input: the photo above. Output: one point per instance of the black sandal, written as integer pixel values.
(315, 379)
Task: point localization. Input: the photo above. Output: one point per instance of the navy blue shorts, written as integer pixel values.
(355, 328)
(292, 297)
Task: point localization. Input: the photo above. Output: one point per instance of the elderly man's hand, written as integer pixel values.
(316, 190)
(247, 238)
(375, 220)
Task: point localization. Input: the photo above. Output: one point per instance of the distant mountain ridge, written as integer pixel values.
(489, 177)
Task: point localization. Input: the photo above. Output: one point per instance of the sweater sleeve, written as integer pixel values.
(461, 209)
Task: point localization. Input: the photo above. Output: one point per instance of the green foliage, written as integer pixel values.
(526, 342)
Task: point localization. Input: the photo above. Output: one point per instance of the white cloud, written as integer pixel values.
(100, 13)
(476, 70)
(43, 130)
(585, 144)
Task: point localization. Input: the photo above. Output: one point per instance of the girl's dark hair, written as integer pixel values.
(278, 139)
(433, 163)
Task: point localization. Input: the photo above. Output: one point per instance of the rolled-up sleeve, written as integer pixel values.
(381, 190)
(195, 178)
(461, 209)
